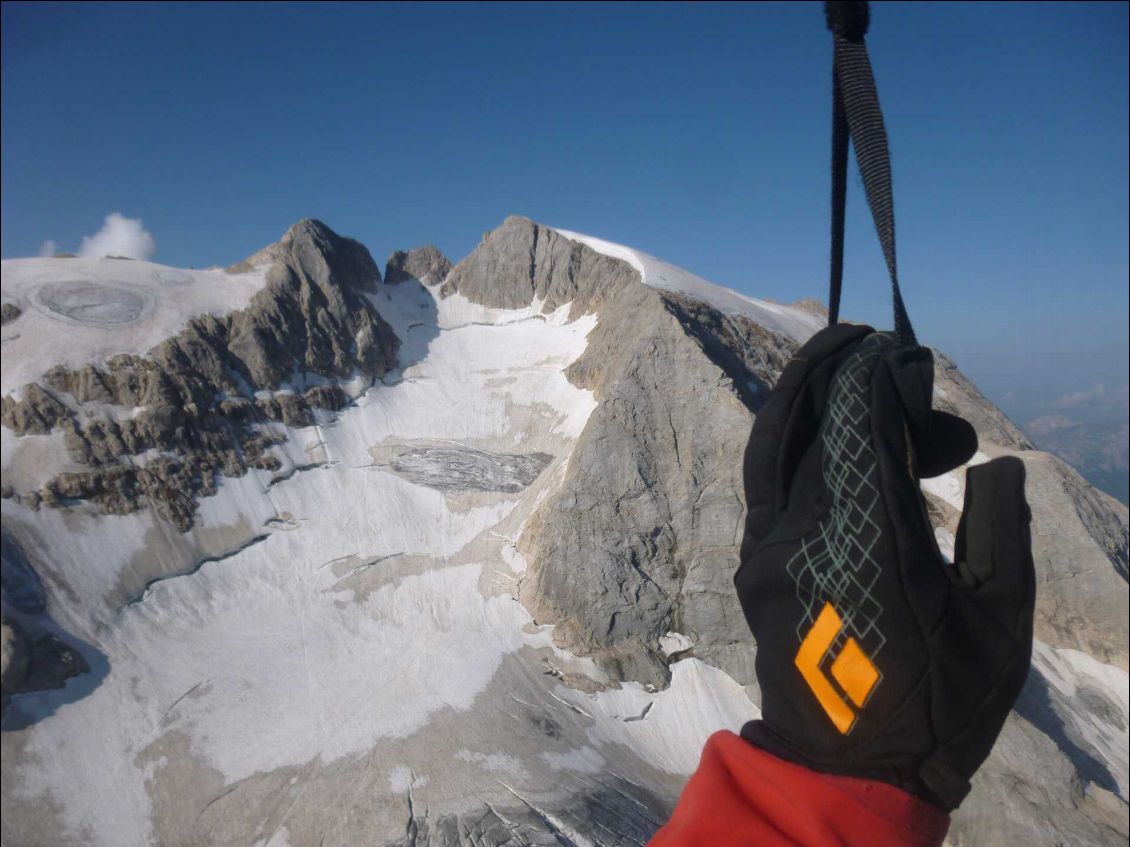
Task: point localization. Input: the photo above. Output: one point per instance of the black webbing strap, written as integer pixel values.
(856, 115)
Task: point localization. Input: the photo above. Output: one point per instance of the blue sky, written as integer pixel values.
(696, 132)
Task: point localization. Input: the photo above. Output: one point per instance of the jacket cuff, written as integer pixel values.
(742, 795)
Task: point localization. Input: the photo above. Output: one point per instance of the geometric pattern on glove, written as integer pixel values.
(837, 566)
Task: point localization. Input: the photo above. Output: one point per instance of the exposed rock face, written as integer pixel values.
(1080, 548)
(1030, 792)
(640, 538)
(37, 413)
(195, 395)
(1080, 536)
(523, 261)
(312, 318)
(425, 264)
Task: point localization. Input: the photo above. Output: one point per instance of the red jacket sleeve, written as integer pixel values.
(741, 796)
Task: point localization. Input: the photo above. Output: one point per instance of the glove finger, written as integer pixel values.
(993, 548)
(941, 441)
(950, 442)
(788, 423)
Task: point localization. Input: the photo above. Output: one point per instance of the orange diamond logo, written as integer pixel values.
(851, 669)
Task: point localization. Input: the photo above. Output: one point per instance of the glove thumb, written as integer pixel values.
(987, 631)
(993, 548)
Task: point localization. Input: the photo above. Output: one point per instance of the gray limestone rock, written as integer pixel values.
(425, 264)
(523, 261)
(1079, 543)
(641, 537)
(1029, 792)
(312, 318)
(621, 811)
(36, 413)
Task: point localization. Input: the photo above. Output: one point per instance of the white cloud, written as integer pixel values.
(119, 236)
(48, 249)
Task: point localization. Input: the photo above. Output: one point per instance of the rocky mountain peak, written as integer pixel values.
(309, 229)
(522, 261)
(426, 264)
(325, 256)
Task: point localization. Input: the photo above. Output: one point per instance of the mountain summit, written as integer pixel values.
(297, 554)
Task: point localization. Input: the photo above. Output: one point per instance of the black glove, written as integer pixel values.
(876, 658)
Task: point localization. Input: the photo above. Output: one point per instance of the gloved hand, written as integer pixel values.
(876, 658)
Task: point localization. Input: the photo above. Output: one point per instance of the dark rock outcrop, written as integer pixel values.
(9, 312)
(34, 662)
